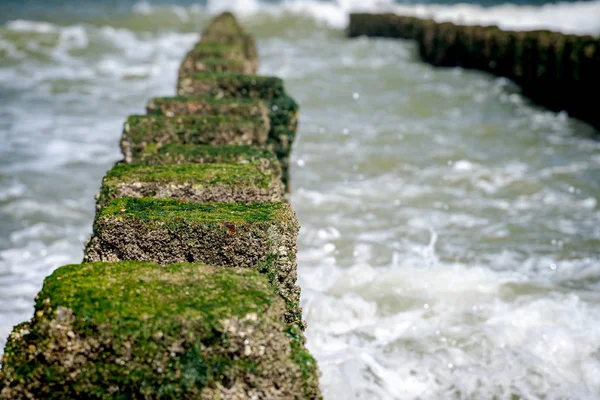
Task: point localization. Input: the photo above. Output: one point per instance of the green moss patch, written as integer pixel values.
(230, 85)
(262, 158)
(141, 131)
(261, 236)
(223, 39)
(281, 111)
(243, 108)
(226, 29)
(221, 182)
(218, 57)
(192, 65)
(224, 24)
(139, 330)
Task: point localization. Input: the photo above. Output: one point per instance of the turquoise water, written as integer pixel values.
(450, 228)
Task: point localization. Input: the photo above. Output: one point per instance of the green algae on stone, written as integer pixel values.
(281, 111)
(224, 182)
(217, 57)
(223, 38)
(225, 29)
(192, 65)
(263, 158)
(139, 330)
(284, 124)
(142, 130)
(230, 85)
(209, 106)
(261, 236)
(223, 25)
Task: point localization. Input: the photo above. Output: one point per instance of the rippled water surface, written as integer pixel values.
(450, 229)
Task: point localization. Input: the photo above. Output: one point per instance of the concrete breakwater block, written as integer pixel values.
(224, 47)
(261, 236)
(281, 111)
(140, 131)
(191, 65)
(216, 182)
(230, 85)
(243, 108)
(139, 330)
(556, 70)
(210, 56)
(225, 29)
(261, 158)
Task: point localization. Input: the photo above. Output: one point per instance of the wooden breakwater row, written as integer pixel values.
(188, 285)
(557, 71)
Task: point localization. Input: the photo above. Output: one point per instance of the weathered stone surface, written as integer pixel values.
(223, 25)
(554, 69)
(225, 29)
(230, 85)
(134, 330)
(143, 130)
(224, 47)
(209, 106)
(209, 56)
(264, 159)
(282, 115)
(191, 65)
(222, 182)
(254, 235)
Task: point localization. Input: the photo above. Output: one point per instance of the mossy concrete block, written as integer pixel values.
(223, 25)
(222, 182)
(282, 112)
(264, 159)
(225, 29)
(209, 106)
(218, 57)
(230, 85)
(142, 130)
(134, 330)
(191, 65)
(224, 39)
(261, 236)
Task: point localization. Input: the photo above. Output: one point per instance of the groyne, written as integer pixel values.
(555, 70)
(187, 289)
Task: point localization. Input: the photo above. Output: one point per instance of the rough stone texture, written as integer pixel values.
(230, 85)
(209, 106)
(264, 159)
(194, 63)
(232, 182)
(141, 131)
(134, 330)
(225, 29)
(225, 47)
(261, 236)
(555, 70)
(282, 113)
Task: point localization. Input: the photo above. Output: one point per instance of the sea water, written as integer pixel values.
(450, 228)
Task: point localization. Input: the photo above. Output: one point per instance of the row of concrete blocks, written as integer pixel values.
(188, 285)
(556, 70)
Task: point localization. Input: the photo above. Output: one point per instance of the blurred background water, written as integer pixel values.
(450, 229)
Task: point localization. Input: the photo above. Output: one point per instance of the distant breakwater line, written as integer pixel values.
(555, 70)
(187, 289)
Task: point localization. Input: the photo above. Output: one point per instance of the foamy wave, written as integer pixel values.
(579, 17)
(31, 26)
(450, 329)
